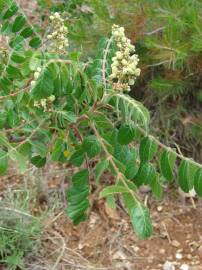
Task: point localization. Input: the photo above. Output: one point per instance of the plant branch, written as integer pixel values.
(163, 146)
(104, 61)
(120, 176)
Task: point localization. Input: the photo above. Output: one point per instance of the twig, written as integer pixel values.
(104, 61)
(163, 146)
(53, 220)
(160, 29)
(167, 234)
(159, 64)
(110, 158)
(17, 212)
(61, 253)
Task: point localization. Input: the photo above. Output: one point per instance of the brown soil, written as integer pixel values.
(107, 240)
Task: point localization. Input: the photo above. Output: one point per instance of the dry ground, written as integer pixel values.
(107, 241)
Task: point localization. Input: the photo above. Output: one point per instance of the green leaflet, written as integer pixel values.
(65, 117)
(77, 158)
(126, 134)
(148, 149)
(186, 175)
(77, 196)
(39, 147)
(131, 109)
(94, 70)
(131, 169)
(111, 202)
(27, 32)
(139, 215)
(198, 182)
(13, 72)
(101, 121)
(123, 153)
(11, 11)
(99, 169)
(35, 42)
(17, 43)
(18, 23)
(156, 187)
(57, 150)
(44, 85)
(141, 221)
(167, 164)
(18, 58)
(92, 146)
(131, 166)
(111, 190)
(38, 161)
(3, 162)
(145, 174)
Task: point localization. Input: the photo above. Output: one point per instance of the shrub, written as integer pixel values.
(54, 106)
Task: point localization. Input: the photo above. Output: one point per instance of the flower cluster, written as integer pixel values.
(59, 41)
(45, 103)
(36, 75)
(124, 64)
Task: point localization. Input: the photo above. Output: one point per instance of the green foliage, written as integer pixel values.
(71, 114)
(19, 230)
(186, 175)
(198, 182)
(126, 134)
(91, 146)
(167, 163)
(141, 221)
(3, 162)
(77, 196)
(148, 149)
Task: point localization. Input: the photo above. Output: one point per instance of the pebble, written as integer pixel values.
(159, 208)
(162, 251)
(175, 243)
(178, 256)
(189, 256)
(135, 248)
(188, 236)
(184, 267)
(168, 266)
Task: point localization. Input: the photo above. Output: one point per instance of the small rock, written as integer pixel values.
(189, 256)
(178, 256)
(135, 248)
(188, 236)
(168, 266)
(199, 251)
(162, 251)
(159, 208)
(123, 265)
(119, 255)
(175, 243)
(184, 267)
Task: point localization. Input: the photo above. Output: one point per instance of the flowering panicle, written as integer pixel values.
(59, 41)
(44, 103)
(124, 64)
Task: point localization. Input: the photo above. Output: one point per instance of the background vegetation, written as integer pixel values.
(168, 38)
